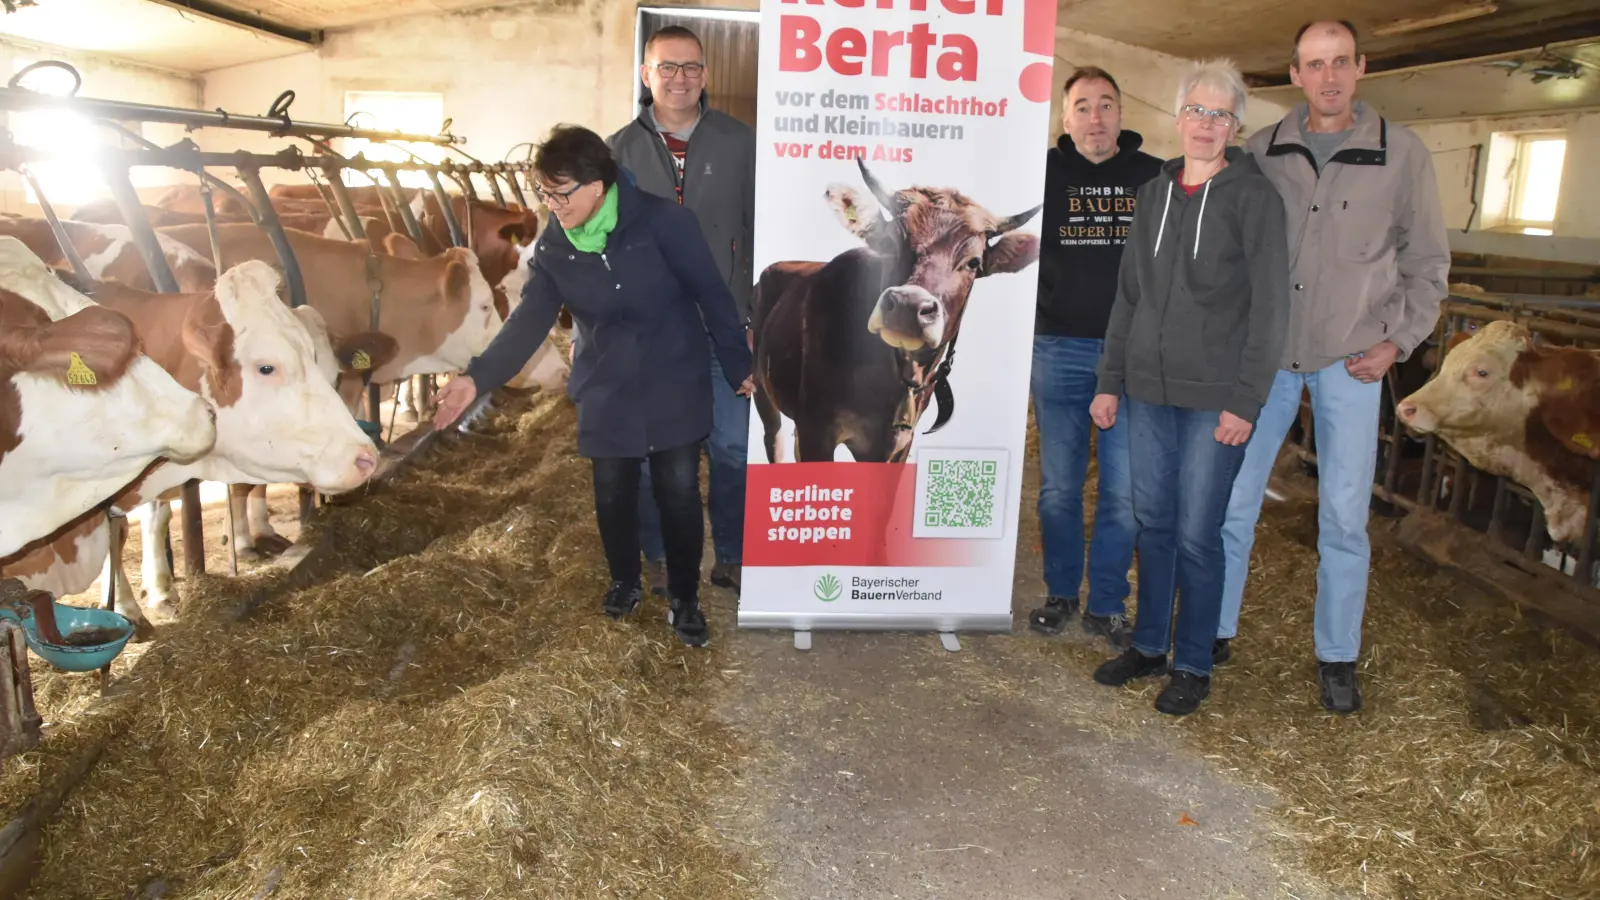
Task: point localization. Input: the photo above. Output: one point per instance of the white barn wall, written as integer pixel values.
(1577, 225)
(110, 80)
(507, 74)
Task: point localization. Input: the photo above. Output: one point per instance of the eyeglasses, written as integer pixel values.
(689, 70)
(549, 197)
(1221, 118)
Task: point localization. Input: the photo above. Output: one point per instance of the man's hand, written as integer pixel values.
(1371, 366)
(1104, 410)
(1232, 430)
(453, 400)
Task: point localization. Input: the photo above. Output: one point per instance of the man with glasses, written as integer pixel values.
(1369, 265)
(682, 149)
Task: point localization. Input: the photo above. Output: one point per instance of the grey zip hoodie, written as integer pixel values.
(1202, 293)
(719, 184)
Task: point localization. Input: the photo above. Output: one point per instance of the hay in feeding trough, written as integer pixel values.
(1473, 769)
(452, 716)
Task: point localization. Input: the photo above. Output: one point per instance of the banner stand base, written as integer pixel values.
(802, 640)
(950, 641)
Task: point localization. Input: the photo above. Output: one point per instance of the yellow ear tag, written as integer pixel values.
(1564, 384)
(850, 214)
(1582, 440)
(361, 361)
(78, 373)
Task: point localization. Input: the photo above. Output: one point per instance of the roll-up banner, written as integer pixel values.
(900, 170)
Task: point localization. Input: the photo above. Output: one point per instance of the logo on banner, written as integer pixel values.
(827, 589)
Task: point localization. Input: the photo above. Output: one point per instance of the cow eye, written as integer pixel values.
(974, 264)
(265, 370)
(1482, 372)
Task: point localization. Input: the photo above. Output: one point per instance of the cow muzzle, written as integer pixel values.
(908, 317)
(1414, 416)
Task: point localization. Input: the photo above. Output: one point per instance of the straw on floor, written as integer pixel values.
(450, 717)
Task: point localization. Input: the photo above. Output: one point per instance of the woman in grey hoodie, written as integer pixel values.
(1196, 331)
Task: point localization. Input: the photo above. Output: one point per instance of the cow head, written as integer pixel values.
(279, 418)
(1474, 391)
(944, 241)
(466, 305)
(82, 413)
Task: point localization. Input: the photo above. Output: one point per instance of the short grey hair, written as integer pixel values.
(1220, 74)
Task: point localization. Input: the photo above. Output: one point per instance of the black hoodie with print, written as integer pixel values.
(1088, 209)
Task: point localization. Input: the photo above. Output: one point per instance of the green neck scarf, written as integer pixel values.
(590, 237)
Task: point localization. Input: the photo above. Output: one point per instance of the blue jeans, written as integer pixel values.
(728, 447)
(1063, 387)
(1182, 478)
(1345, 427)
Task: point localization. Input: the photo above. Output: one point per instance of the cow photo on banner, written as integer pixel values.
(900, 171)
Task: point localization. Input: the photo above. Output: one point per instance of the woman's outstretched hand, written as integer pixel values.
(453, 400)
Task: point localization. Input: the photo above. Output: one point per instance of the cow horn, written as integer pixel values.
(1016, 221)
(890, 203)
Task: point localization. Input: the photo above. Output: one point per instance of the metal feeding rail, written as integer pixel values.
(115, 164)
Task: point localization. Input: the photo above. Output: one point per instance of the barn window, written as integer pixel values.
(414, 112)
(69, 179)
(1536, 182)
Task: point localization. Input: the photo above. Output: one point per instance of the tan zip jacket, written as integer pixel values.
(1368, 255)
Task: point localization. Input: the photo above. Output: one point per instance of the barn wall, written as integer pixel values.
(507, 75)
(111, 80)
(1149, 83)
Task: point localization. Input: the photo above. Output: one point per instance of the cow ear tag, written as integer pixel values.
(78, 373)
(361, 361)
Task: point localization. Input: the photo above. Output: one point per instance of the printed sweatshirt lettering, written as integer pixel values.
(1202, 293)
(1088, 211)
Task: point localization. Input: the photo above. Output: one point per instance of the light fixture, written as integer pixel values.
(1458, 13)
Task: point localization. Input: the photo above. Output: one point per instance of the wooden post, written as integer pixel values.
(194, 537)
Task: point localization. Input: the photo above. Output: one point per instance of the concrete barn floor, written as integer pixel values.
(901, 770)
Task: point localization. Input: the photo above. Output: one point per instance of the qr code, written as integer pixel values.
(961, 493)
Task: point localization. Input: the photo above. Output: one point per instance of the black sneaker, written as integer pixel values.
(1052, 617)
(1116, 629)
(1130, 665)
(1183, 693)
(622, 599)
(689, 622)
(1220, 652)
(1340, 693)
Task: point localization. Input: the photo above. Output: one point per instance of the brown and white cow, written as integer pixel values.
(269, 373)
(439, 310)
(1523, 411)
(854, 349)
(110, 254)
(82, 410)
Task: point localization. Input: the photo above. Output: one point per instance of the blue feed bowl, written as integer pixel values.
(69, 619)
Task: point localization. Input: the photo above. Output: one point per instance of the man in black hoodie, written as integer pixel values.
(1091, 178)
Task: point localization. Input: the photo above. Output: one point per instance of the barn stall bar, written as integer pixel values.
(261, 209)
(1488, 526)
(115, 164)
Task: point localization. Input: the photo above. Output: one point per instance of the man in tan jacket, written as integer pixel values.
(1369, 262)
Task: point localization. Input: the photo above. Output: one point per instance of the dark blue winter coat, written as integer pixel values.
(641, 378)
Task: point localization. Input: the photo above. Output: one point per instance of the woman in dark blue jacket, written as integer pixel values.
(641, 283)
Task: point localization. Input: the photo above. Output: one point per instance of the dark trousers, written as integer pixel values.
(1182, 478)
(675, 481)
